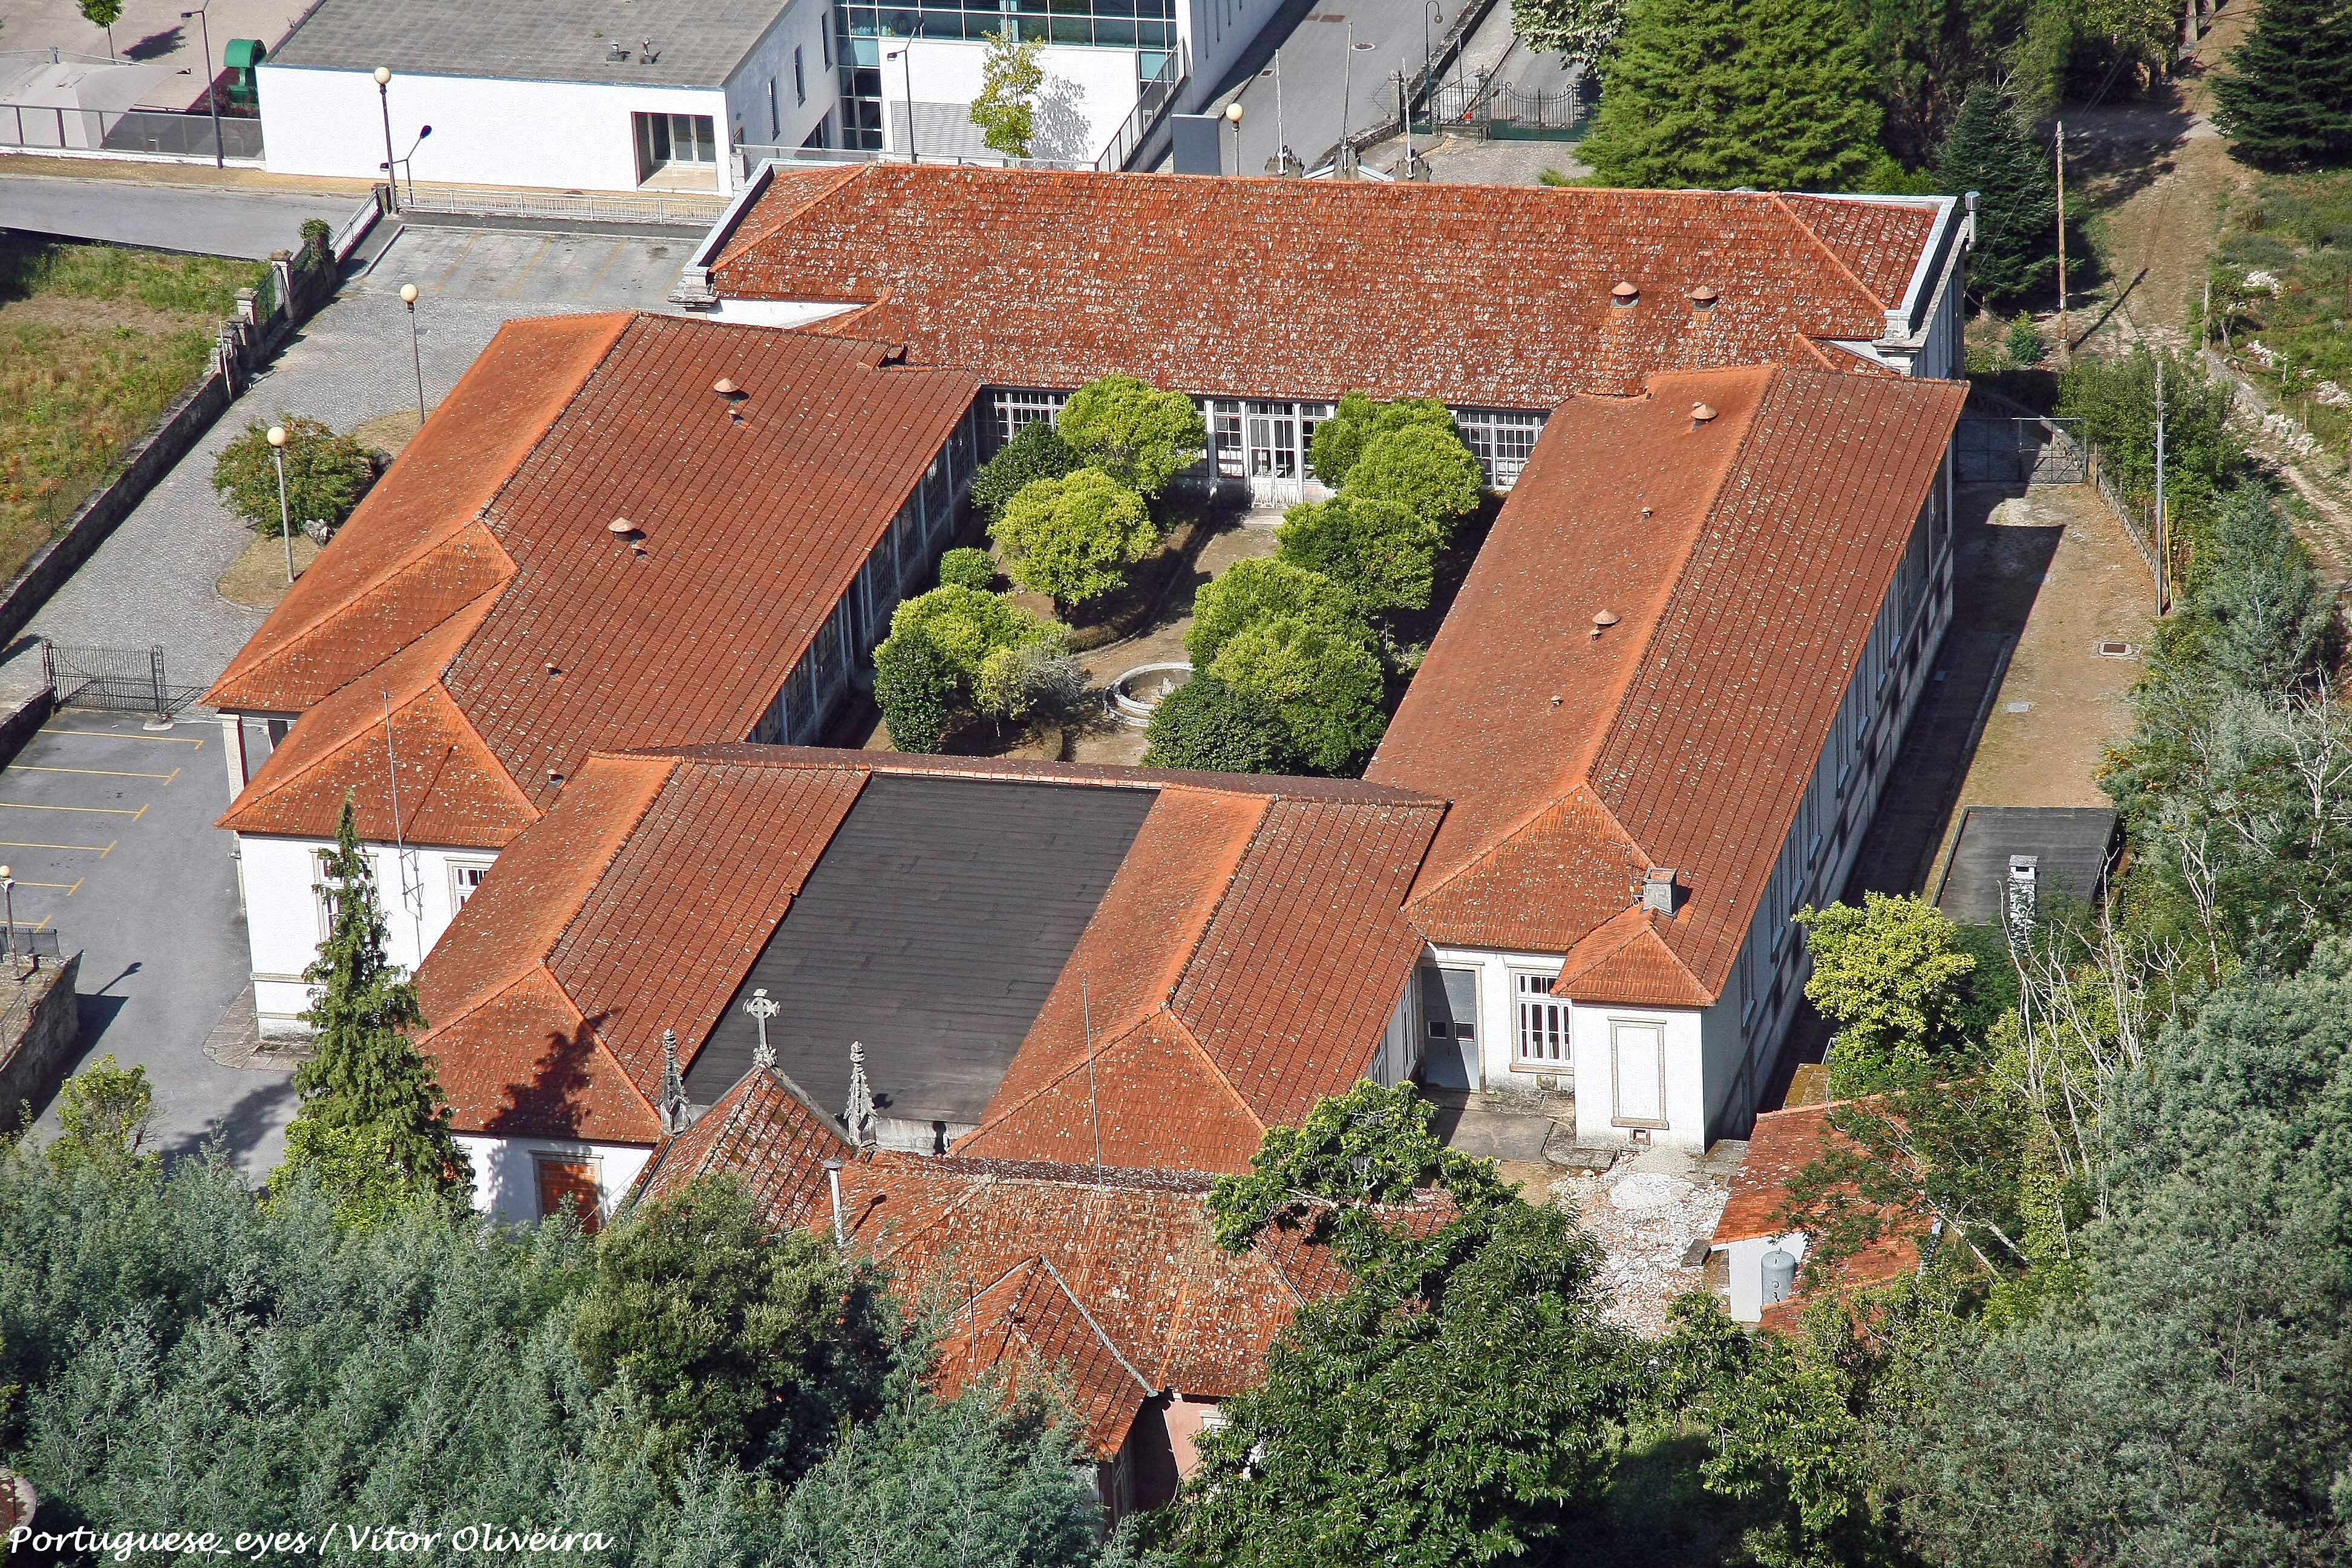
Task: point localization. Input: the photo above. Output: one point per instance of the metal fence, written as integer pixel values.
(1504, 112)
(686, 207)
(122, 679)
(40, 125)
(1987, 449)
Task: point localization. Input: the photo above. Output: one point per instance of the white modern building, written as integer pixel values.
(586, 95)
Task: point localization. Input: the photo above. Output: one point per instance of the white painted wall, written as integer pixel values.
(1592, 1029)
(1747, 1271)
(1088, 95)
(1215, 32)
(506, 1182)
(802, 25)
(775, 313)
(282, 917)
(567, 135)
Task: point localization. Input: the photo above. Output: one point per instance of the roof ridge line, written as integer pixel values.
(628, 319)
(1058, 1077)
(620, 839)
(1523, 826)
(1167, 1003)
(494, 991)
(1216, 1071)
(1778, 199)
(1108, 1344)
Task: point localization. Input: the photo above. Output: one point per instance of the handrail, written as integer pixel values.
(1145, 117)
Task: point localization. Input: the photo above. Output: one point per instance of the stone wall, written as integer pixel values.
(38, 1039)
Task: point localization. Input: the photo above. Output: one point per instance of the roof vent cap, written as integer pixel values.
(1658, 889)
(1703, 298)
(727, 389)
(1700, 414)
(620, 528)
(1602, 619)
(1624, 294)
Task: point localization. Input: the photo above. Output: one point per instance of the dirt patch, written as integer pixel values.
(257, 578)
(386, 433)
(112, 317)
(2062, 703)
(1646, 1213)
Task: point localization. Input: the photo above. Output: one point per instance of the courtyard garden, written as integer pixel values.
(96, 342)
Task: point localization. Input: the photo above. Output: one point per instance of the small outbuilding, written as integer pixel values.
(2010, 857)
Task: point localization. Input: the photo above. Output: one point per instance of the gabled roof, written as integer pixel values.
(1782, 1145)
(1482, 295)
(481, 583)
(1740, 560)
(1245, 958)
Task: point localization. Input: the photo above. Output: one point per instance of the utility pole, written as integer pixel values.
(2065, 337)
(2163, 559)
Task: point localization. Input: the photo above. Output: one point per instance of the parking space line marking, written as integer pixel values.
(93, 810)
(96, 772)
(101, 850)
(72, 888)
(523, 275)
(124, 735)
(590, 291)
(471, 241)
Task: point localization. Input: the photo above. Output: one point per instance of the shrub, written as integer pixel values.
(1324, 680)
(969, 626)
(1068, 538)
(1207, 724)
(1380, 554)
(2026, 344)
(1422, 467)
(967, 568)
(1031, 681)
(915, 686)
(1255, 590)
(326, 474)
(1035, 452)
(1138, 435)
(1340, 440)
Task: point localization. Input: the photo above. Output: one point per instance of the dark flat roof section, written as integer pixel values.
(2073, 841)
(931, 928)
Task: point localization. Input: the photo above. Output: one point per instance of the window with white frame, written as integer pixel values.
(464, 875)
(1226, 437)
(1017, 408)
(1543, 1041)
(1500, 441)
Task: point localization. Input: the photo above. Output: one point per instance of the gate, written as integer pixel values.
(124, 679)
(2017, 451)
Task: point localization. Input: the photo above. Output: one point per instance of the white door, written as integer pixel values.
(1637, 1070)
(1449, 1009)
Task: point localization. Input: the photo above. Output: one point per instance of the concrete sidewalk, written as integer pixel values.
(200, 220)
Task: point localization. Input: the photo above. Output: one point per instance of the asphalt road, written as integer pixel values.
(199, 220)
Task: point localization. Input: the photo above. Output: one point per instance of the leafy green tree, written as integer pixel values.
(372, 1118)
(2195, 1405)
(1207, 724)
(1341, 439)
(2285, 100)
(915, 685)
(103, 1113)
(1035, 452)
(1031, 681)
(1582, 30)
(1259, 589)
(969, 626)
(758, 1343)
(1324, 680)
(2116, 401)
(1069, 538)
(1380, 554)
(1990, 151)
(102, 13)
(326, 475)
(1010, 77)
(1139, 436)
(1424, 468)
(967, 568)
(1893, 976)
(1454, 1404)
(1776, 94)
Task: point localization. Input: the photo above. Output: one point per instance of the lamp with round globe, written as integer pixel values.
(416, 359)
(383, 95)
(1234, 119)
(285, 517)
(8, 892)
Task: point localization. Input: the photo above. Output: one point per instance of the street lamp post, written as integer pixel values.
(1234, 119)
(383, 95)
(8, 890)
(416, 358)
(212, 95)
(285, 516)
(907, 83)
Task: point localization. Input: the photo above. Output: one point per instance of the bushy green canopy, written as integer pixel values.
(1892, 975)
(942, 650)
(1207, 724)
(1422, 468)
(1256, 589)
(1069, 538)
(1129, 429)
(1325, 681)
(1341, 439)
(1035, 452)
(2285, 98)
(326, 475)
(1380, 552)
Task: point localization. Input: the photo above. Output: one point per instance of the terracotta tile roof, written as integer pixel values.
(767, 1136)
(1249, 955)
(1245, 959)
(1782, 1144)
(1627, 959)
(754, 529)
(1685, 733)
(1482, 294)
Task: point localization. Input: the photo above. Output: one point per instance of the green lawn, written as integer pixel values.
(95, 342)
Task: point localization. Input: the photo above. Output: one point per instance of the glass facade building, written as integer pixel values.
(865, 33)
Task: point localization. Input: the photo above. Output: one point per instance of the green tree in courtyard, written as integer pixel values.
(1035, 452)
(1341, 439)
(1139, 436)
(102, 13)
(1208, 725)
(102, 1116)
(326, 475)
(1257, 589)
(2285, 98)
(1324, 680)
(915, 685)
(1422, 468)
(953, 648)
(372, 1121)
(1070, 539)
(1892, 976)
(1582, 30)
(1776, 94)
(1379, 552)
(1990, 151)
(1010, 77)
(967, 568)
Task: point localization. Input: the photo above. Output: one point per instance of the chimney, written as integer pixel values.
(1658, 890)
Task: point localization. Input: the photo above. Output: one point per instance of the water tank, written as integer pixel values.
(1779, 1274)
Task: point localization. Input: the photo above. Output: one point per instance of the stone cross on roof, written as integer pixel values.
(762, 1007)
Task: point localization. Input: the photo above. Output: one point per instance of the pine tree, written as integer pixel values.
(372, 1120)
(1989, 152)
(2286, 100)
(1775, 94)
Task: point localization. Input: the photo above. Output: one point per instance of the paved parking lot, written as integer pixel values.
(107, 827)
(579, 271)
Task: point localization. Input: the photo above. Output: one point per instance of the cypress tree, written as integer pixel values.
(373, 1116)
(1989, 152)
(2286, 100)
(1776, 94)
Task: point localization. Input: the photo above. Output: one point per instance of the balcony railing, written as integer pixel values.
(40, 125)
